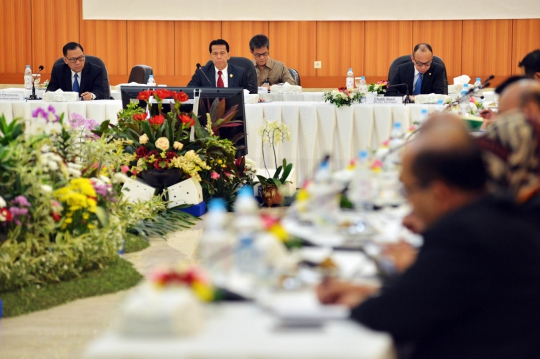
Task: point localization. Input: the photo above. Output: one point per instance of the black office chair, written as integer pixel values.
(140, 74)
(95, 61)
(406, 58)
(253, 85)
(295, 75)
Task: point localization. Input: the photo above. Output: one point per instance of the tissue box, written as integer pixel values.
(137, 190)
(61, 96)
(185, 192)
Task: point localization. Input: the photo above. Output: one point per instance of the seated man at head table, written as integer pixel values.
(219, 73)
(531, 65)
(422, 75)
(75, 74)
(269, 71)
(473, 290)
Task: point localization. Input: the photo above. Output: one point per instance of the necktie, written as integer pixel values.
(220, 80)
(75, 83)
(418, 86)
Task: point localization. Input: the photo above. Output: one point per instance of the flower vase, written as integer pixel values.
(270, 195)
(162, 178)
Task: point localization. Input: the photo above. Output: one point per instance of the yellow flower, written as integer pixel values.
(163, 143)
(280, 232)
(143, 139)
(178, 145)
(203, 291)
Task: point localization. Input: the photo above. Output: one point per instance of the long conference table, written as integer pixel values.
(317, 128)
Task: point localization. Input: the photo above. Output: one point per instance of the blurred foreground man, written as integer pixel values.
(473, 291)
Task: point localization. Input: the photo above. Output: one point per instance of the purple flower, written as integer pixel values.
(100, 188)
(49, 115)
(77, 121)
(21, 201)
(39, 111)
(18, 212)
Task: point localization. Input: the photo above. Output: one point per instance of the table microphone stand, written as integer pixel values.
(33, 95)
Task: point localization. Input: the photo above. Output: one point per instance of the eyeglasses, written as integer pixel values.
(75, 59)
(264, 54)
(421, 64)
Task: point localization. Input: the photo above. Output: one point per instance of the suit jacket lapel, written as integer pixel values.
(211, 74)
(409, 77)
(67, 79)
(426, 81)
(232, 77)
(84, 77)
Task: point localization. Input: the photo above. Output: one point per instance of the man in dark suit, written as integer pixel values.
(473, 290)
(219, 73)
(77, 75)
(421, 75)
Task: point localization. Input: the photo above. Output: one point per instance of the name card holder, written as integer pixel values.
(391, 100)
(11, 97)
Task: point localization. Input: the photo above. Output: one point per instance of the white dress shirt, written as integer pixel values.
(224, 76)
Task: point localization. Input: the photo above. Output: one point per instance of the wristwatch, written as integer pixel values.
(93, 96)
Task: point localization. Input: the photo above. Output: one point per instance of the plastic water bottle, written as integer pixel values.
(151, 81)
(323, 174)
(361, 187)
(395, 144)
(423, 115)
(350, 79)
(28, 78)
(363, 88)
(478, 93)
(248, 258)
(216, 247)
(464, 103)
(440, 106)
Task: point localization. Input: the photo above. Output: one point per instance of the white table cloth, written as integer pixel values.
(99, 110)
(304, 96)
(39, 92)
(243, 331)
(319, 128)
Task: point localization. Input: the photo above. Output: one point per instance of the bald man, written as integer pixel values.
(460, 299)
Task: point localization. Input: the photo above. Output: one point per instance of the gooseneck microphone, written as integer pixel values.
(199, 67)
(485, 84)
(33, 95)
(407, 98)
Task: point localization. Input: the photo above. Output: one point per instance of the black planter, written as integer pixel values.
(162, 178)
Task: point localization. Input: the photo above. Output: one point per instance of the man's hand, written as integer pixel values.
(489, 118)
(87, 96)
(332, 291)
(402, 254)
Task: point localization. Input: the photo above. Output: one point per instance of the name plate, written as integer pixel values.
(11, 97)
(393, 100)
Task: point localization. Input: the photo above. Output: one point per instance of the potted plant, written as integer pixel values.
(272, 187)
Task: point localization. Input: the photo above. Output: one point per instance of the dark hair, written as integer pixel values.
(259, 41)
(422, 46)
(499, 89)
(218, 42)
(531, 63)
(462, 167)
(71, 46)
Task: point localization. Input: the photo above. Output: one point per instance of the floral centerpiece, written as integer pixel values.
(274, 133)
(379, 87)
(343, 96)
(61, 210)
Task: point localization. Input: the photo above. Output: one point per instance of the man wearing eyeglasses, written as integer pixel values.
(269, 71)
(422, 75)
(76, 75)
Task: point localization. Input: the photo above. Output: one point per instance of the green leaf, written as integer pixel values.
(102, 216)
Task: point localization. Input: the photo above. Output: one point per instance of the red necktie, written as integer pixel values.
(220, 80)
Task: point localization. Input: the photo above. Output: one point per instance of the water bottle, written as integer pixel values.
(424, 115)
(28, 78)
(323, 174)
(216, 247)
(395, 145)
(478, 93)
(361, 187)
(350, 79)
(440, 106)
(151, 81)
(363, 88)
(464, 103)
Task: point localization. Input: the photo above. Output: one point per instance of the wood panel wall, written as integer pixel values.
(34, 32)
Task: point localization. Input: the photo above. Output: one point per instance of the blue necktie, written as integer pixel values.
(418, 86)
(75, 83)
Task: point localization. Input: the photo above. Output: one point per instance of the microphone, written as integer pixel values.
(199, 67)
(407, 99)
(33, 95)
